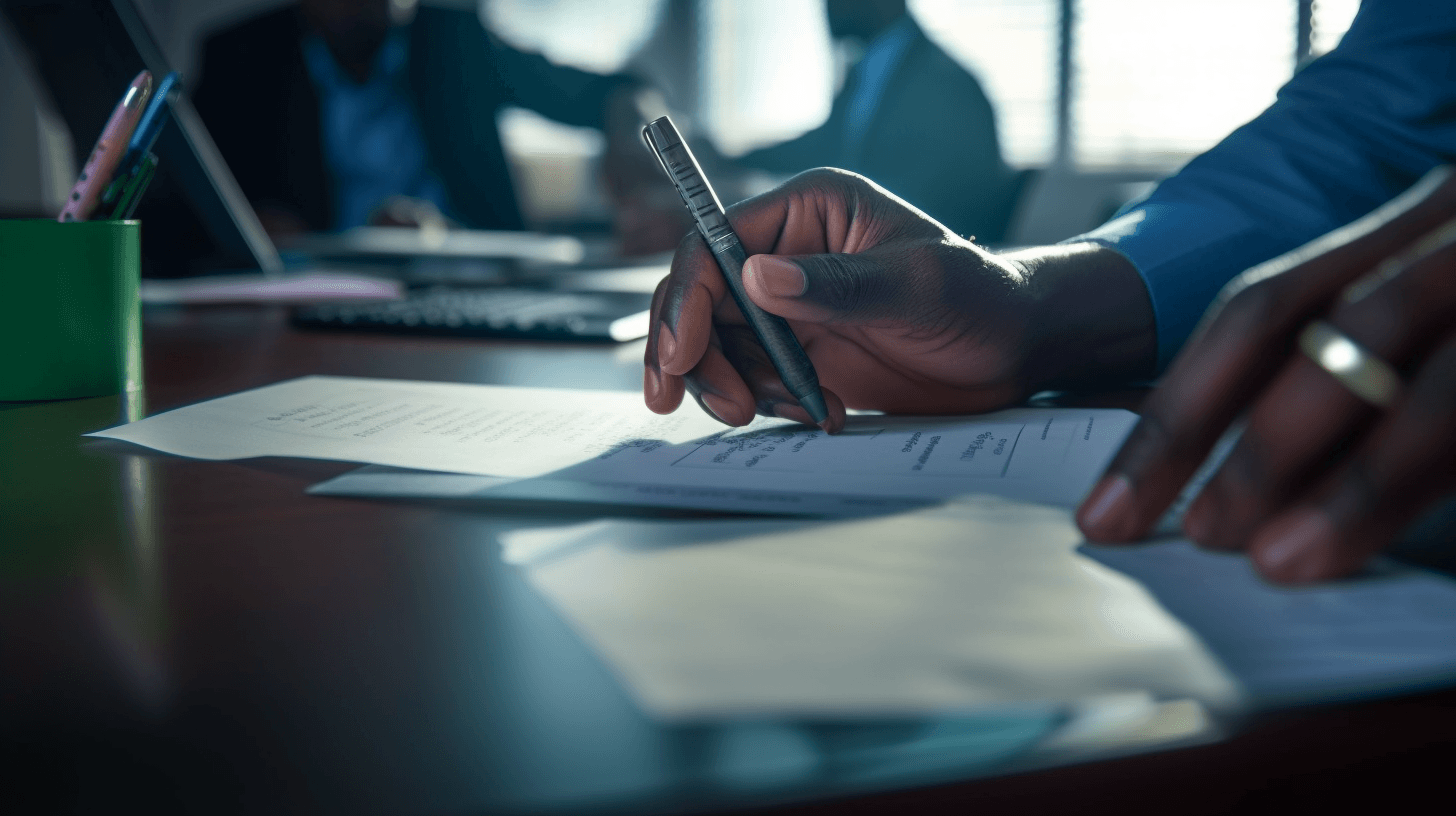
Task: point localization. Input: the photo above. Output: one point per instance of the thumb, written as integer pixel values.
(828, 288)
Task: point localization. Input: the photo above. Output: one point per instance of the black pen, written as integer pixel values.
(773, 332)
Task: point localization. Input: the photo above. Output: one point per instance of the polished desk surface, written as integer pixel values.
(204, 637)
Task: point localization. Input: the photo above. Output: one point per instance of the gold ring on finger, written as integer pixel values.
(1364, 374)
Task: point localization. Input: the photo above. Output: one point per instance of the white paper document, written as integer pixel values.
(967, 587)
(985, 604)
(606, 447)
(1391, 629)
(481, 429)
(982, 603)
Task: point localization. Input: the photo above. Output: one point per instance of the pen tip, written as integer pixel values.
(813, 405)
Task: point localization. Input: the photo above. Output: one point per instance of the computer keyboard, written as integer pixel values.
(491, 312)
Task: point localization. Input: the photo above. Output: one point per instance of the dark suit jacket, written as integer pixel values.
(260, 105)
(932, 141)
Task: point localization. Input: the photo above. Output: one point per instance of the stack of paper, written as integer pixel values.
(950, 577)
(606, 447)
(984, 604)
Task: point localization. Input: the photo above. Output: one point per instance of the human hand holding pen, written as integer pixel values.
(896, 312)
(780, 345)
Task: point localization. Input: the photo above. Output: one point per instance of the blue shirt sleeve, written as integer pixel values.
(1349, 132)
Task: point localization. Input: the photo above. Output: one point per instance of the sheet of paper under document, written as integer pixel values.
(606, 447)
(979, 603)
(984, 604)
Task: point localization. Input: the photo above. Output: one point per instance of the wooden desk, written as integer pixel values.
(198, 636)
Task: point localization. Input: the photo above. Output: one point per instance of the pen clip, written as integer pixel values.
(647, 137)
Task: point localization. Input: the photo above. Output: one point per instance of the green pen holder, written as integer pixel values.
(70, 313)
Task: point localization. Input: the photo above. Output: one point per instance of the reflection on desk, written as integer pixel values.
(190, 636)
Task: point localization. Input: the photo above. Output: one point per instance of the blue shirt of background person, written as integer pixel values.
(395, 103)
(373, 147)
(912, 119)
(874, 69)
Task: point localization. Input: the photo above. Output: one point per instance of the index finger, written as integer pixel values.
(777, 222)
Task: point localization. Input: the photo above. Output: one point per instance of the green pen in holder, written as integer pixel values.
(70, 313)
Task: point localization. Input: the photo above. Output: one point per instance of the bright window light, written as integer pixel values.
(1011, 47)
(1157, 82)
(597, 35)
(767, 68)
(1331, 19)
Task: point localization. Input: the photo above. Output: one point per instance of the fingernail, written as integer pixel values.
(666, 345)
(719, 407)
(780, 277)
(651, 385)
(1198, 521)
(1103, 516)
(1290, 549)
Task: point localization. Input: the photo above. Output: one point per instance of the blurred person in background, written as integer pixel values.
(338, 113)
(1314, 249)
(909, 117)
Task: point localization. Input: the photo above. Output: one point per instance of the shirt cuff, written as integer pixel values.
(1185, 254)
